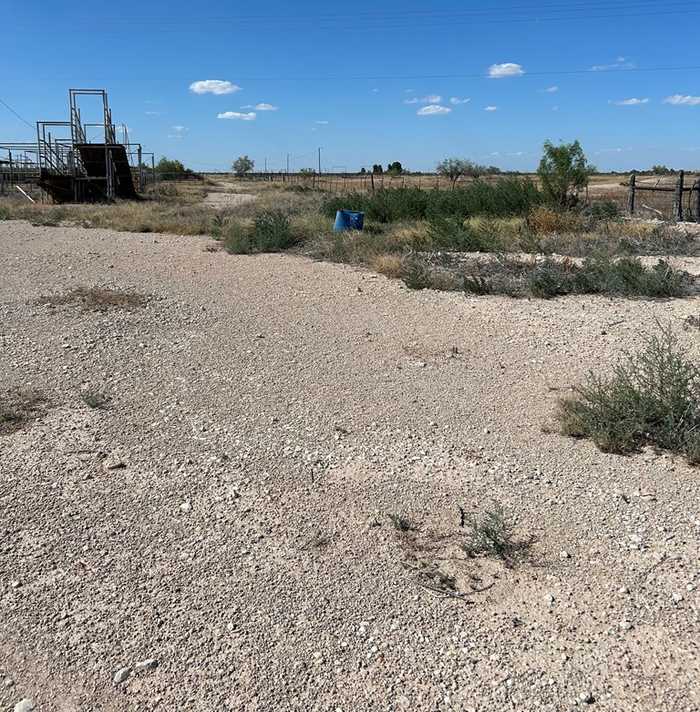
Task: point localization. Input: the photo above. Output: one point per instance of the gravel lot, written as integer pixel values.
(224, 522)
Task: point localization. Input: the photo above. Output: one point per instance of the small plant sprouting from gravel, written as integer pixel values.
(651, 398)
(96, 299)
(19, 408)
(492, 535)
(95, 399)
(401, 523)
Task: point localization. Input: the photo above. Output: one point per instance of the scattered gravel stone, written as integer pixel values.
(114, 461)
(146, 665)
(186, 507)
(25, 705)
(121, 675)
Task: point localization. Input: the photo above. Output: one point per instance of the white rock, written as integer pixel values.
(25, 705)
(121, 675)
(563, 555)
(145, 665)
(186, 507)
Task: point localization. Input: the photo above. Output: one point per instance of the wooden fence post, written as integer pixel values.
(697, 200)
(630, 197)
(678, 199)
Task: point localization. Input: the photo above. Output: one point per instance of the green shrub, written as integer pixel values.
(652, 397)
(502, 198)
(239, 239)
(492, 535)
(417, 273)
(4, 213)
(549, 277)
(271, 231)
(603, 210)
(450, 233)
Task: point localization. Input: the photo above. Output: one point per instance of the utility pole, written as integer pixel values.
(319, 161)
(287, 164)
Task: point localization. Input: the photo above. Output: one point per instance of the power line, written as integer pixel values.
(21, 118)
(502, 13)
(624, 68)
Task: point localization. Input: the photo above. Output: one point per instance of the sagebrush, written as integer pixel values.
(652, 397)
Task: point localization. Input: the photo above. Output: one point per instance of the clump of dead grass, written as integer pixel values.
(19, 408)
(95, 299)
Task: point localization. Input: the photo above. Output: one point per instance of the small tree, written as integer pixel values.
(564, 171)
(662, 170)
(377, 168)
(170, 169)
(307, 172)
(455, 168)
(243, 165)
(395, 168)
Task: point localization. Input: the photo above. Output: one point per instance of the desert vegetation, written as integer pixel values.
(651, 397)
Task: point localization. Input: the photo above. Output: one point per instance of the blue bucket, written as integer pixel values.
(348, 220)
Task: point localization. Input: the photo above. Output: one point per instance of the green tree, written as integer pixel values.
(563, 172)
(395, 168)
(455, 168)
(171, 169)
(377, 168)
(243, 165)
(662, 170)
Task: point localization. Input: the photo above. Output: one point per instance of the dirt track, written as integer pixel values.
(227, 515)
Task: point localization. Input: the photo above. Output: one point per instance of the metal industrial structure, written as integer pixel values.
(72, 161)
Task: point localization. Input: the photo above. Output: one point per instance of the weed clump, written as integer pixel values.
(95, 399)
(19, 408)
(651, 398)
(96, 299)
(492, 535)
(548, 278)
(401, 523)
(271, 231)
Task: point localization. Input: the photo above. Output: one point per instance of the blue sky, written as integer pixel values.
(363, 81)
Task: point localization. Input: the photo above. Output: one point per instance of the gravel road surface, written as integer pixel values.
(218, 537)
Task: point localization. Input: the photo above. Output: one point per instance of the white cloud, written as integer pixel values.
(551, 90)
(455, 100)
(178, 132)
(262, 106)
(213, 86)
(630, 102)
(682, 100)
(507, 69)
(490, 108)
(619, 63)
(247, 116)
(322, 123)
(153, 113)
(430, 99)
(433, 110)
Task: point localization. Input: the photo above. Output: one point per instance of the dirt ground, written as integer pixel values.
(224, 517)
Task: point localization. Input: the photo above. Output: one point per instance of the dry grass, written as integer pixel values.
(19, 408)
(95, 299)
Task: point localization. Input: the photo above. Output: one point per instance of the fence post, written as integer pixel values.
(630, 197)
(678, 200)
(697, 200)
(371, 178)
